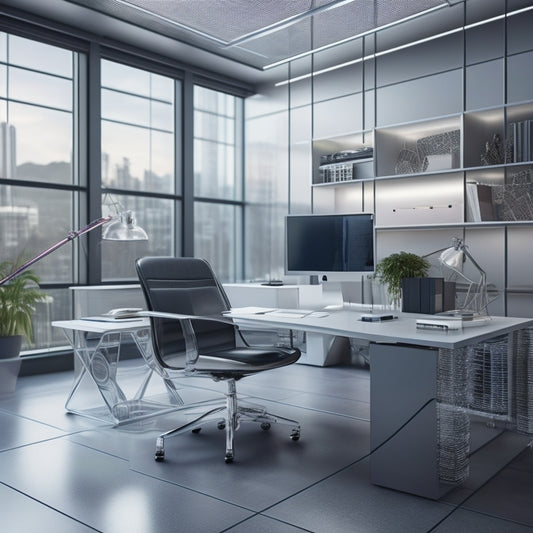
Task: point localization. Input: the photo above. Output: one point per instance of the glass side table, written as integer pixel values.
(129, 390)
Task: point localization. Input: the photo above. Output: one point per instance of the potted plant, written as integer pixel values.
(392, 269)
(17, 300)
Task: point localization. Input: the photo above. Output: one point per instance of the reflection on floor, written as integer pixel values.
(68, 473)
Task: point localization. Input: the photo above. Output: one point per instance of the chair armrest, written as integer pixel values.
(189, 335)
(179, 316)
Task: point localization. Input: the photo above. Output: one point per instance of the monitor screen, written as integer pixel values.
(322, 244)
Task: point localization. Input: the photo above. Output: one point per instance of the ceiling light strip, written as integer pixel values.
(401, 47)
(354, 37)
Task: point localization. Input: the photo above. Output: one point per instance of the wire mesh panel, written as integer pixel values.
(524, 381)
(454, 443)
(488, 383)
(453, 446)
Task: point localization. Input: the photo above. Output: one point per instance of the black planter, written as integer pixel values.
(9, 363)
(10, 346)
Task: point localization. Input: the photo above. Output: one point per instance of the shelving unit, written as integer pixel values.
(442, 117)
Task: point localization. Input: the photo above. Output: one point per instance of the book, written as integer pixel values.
(423, 295)
(479, 204)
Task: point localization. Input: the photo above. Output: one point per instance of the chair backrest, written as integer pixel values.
(187, 286)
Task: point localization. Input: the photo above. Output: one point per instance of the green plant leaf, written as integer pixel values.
(393, 268)
(17, 300)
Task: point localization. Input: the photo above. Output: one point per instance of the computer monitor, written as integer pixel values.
(334, 247)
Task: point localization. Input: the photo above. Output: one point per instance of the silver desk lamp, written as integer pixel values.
(120, 227)
(476, 298)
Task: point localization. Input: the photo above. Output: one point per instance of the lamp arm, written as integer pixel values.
(440, 250)
(70, 236)
(474, 262)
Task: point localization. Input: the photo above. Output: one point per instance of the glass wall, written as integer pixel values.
(138, 162)
(39, 178)
(267, 183)
(218, 181)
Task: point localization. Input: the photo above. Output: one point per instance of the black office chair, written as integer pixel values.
(190, 335)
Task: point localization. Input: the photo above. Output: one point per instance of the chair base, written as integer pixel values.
(229, 417)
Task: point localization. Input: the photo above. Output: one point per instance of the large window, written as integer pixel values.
(39, 178)
(138, 162)
(50, 136)
(218, 181)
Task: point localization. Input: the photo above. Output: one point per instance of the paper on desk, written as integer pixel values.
(290, 313)
(248, 311)
(110, 318)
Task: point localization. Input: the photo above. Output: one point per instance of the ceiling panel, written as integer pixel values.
(259, 33)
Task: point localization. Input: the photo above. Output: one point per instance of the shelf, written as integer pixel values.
(362, 167)
(420, 175)
(419, 147)
(484, 224)
(341, 183)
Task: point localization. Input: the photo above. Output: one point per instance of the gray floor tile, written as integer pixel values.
(463, 521)
(263, 524)
(332, 404)
(524, 461)
(268, 465)
(24, 515)
(18, 431)
(509, 496)
(44, 401)
(101, 491)
(497, 454)
(348, 502)
(72, 473)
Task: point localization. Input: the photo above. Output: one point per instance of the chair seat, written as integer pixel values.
(242, 361)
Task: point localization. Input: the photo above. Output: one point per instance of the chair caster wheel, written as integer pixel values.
(228, 458)
(196, 430)
(265, 426)
(295, 435)
(221, 425)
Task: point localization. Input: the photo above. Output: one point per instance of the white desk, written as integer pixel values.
(347, 323)
(425, 392)
(123, 395)
(419, 387)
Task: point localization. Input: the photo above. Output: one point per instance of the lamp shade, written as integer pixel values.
(452, 257)
(124, 228)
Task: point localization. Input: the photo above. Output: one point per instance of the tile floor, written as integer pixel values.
(67, 473)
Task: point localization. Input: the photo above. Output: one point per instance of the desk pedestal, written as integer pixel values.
(437, 414)
(403, 419)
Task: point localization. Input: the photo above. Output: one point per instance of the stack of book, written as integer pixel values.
(427, 295)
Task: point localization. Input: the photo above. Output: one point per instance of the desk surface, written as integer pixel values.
(347, 323)
(94, 326)
(343, 323)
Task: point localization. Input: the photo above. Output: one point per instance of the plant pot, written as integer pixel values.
(9, 363)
